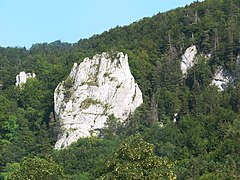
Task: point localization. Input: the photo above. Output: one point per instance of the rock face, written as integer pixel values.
(188, 59)
(221, 79)
(22, 77)
(94, 90)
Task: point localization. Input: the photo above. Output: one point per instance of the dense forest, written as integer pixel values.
(204, 142)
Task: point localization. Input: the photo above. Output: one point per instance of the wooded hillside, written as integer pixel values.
(204, 143)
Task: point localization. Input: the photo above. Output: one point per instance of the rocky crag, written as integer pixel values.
(95, 90)
(188, 59)
(221, 77)
(22, 78)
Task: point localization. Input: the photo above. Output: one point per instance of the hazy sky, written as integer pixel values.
(25, 22)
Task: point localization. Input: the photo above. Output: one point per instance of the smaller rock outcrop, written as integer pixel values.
(188, 59)
(22, 77)
(221, 78)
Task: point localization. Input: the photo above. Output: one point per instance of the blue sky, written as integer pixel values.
(26, 22)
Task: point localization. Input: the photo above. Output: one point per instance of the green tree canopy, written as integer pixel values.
(134, 159)
(39, 169)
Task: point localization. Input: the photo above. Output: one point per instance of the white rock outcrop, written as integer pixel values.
(188, 59)
(22, 78)
(221, 79)
(94, 90)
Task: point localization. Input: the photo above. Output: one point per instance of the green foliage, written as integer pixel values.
(8, 120)
(86, 157)
(200, 76)
(88, 102)
(134, 159)
(38, 168)
(113, 127)
(168, 103)
(139, 121)
(68, 94)
(9, 170)
(134, 148)
(68, 83)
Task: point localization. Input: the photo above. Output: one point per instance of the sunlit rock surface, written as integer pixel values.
(188, 59)
(94, 90)
(221, 79)
(22, 77)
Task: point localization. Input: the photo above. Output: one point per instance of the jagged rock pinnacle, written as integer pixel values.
(94, 90)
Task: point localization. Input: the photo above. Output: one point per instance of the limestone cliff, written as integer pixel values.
(221, 78)
(22, 78)
(94, 90)
(188, 59)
